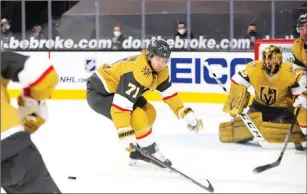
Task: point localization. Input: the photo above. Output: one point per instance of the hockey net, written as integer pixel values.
(285, 46)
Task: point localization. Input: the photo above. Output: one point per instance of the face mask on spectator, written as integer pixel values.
(117, 33)
(181, 31)
(252, 33)
(8, 26)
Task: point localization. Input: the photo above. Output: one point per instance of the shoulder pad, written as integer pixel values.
(254, 63)
(288, 65)
(298, 40)
(163, 75)
(292, 68)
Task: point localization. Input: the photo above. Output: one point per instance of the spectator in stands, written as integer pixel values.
(37, 32)
(252, 34)
(56, 29)
(118, 38)
(5, 31)
(182, 31)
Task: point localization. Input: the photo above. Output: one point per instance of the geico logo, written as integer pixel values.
(194, 71)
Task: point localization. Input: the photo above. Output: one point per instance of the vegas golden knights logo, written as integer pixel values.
(268, 95)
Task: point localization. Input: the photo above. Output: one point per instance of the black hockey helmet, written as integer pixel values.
(302, 20)
(159, 48)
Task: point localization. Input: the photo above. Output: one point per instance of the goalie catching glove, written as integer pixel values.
(32, 113)
(194, 124)
(237, 100)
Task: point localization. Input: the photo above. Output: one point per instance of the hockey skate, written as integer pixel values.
(300, 149)
(154, 151)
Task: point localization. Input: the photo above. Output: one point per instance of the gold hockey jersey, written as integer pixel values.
(37, 78)
(272, 91)
(299, 50)
(128, 79)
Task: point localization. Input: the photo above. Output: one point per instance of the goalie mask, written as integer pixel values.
(272, 59)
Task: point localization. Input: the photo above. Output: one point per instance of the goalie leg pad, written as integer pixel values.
(226, 132)
(232, 132)
(238, 98)
(236, 131)
(277, 132)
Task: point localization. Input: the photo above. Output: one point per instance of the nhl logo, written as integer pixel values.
(90, 65)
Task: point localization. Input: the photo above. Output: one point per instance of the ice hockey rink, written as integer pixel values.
(78, 142)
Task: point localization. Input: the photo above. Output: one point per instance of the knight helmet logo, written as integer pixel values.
(268, 95)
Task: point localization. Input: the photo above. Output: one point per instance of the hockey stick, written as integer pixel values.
(277, 162)
(245, 118)
(143, 152)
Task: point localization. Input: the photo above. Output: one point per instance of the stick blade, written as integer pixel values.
(210, 187)
(260, 169)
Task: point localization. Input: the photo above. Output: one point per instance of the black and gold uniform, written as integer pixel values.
(22, 167)
(116, 91)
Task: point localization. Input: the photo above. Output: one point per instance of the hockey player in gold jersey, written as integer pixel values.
(299, 47)
(275, 83)
(115, 91)
(22, 167)
(299, 50)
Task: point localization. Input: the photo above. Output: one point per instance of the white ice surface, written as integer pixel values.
(76, 141)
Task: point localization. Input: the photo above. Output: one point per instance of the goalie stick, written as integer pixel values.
(277, 162)
(143, 152)
(245, 118)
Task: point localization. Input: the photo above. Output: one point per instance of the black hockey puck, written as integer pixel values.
(72, 177)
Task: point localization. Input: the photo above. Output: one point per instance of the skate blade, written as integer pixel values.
(136, 162)
(303, 151)
(140, 164)
(133, 162)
